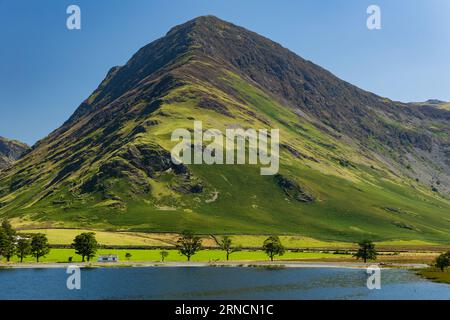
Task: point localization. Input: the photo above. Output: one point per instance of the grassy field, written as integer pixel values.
(66, 236)
(153, 255)
(142, 255)
(416, 251)
(435, 275)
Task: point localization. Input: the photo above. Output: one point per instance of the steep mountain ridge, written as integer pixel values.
(349, 159)
(10, 151)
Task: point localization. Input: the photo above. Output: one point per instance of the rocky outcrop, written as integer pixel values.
(10, 151)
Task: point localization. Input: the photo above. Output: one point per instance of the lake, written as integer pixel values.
(217, 283)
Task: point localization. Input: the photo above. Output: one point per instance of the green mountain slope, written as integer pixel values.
(352, 164)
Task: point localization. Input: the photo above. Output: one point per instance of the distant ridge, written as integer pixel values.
(354, 165)
(10, 151)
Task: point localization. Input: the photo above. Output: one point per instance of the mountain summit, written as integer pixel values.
(352, 164)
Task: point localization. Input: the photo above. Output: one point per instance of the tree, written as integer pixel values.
(7, 240)
(127, 256)
(443, 261)
(366, 251)
(7, 246)
(164, 254)
(23, 248)
(85, 245)
(39, 246)
(226, 245)
(7, 228)
(188, 244)
(272, 247)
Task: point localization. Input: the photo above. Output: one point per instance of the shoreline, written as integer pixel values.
(233, 264)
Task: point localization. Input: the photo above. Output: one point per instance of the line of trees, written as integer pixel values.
(36, 245)
(21, 246)
(189, 244)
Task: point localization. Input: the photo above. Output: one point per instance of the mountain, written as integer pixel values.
(353, 165)
(10, 151)
(434, 103)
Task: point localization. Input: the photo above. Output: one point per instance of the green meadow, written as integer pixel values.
(142, 239)
(143, 255)
(435, 275)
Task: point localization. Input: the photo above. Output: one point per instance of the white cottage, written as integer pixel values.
(108, 258)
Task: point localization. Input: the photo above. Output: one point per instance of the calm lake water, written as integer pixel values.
(216, 283)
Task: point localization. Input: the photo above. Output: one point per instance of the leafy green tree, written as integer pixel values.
(128, 256)
(226, 245)
(188, 244)
(164, 254)
(39, 246)
(85, 245)
(7, 246)
(272, 247)
(23, 248)
(7, 228)
(7, 240)
(443, 261)
(366, 251)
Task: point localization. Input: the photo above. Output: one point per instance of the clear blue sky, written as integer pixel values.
(46, 71)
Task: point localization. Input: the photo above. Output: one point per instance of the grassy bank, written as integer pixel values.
(153, 255)
(144, 255)
(435, 275)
